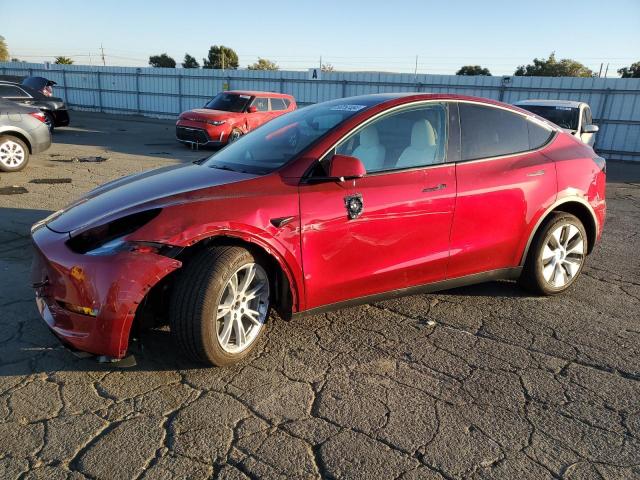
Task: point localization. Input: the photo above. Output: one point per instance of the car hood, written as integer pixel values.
(138, 192)
(204, 114)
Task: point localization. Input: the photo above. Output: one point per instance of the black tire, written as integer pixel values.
(5, 141)
(234, 135)
(195, 300)
(532, 277)
(50, 121)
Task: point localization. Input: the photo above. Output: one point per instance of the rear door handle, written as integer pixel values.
(537, 173)
(440, 186)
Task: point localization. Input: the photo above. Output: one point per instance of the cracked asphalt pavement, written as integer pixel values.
(478, 382)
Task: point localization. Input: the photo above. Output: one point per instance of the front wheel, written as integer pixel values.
(234, 135)
(220, 304)
(556, 256)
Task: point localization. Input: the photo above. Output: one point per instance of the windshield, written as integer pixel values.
(565, 117)
(229, 102)
(278, 141)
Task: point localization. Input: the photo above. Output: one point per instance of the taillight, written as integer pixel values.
(40, 116)
(48, 91)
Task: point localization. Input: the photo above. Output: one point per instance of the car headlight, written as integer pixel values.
(108, 239)
(217, 123)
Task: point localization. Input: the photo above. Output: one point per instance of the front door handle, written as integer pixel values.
(537, 173)
(440, 186)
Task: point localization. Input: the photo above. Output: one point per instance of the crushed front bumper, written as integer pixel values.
(108, 288)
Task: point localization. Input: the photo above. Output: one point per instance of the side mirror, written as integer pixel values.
(252, 109)
(344, 167)
(590, 128)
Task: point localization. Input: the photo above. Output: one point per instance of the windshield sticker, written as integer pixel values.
(245, 96)
(347, 108)
(564, 108)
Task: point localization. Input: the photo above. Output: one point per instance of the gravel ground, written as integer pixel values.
(483, 381)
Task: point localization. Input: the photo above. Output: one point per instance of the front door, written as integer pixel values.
(390, 229)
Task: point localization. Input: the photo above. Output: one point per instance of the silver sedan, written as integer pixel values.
(23, 131)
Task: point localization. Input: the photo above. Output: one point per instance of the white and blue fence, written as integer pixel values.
(165, 92)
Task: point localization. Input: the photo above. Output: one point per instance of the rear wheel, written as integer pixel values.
(556, 256)
(14, 154)
(220, 304)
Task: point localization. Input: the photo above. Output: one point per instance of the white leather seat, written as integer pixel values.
(370, 152)
(423, 148)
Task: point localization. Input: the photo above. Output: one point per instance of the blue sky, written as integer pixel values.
(351, 35)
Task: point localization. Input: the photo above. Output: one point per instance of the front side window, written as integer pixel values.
(261, 103)
(491, 132)
(411, 138)
(229, 102)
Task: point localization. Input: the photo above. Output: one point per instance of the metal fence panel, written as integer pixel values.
(165, 92)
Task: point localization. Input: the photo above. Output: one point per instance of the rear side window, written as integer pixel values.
(278, 104)
(491, 132)
(10, 91)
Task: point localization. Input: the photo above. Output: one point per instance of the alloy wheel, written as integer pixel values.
(562, 255)
(243, 308)
(12, 154)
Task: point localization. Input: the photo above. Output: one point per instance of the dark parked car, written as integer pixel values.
(22, 132)
(54, 108)
(41, 84)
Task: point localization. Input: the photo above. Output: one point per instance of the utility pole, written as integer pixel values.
(416, 70)
(600, 72)
(606, 71)
(104, 64)
(320, 65)
(222, 51)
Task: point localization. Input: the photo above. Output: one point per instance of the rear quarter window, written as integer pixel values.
(538, 135)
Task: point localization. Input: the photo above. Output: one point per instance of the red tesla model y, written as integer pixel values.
(339, 203)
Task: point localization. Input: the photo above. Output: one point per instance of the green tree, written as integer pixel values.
(263, 64)
(63, 61)
(4, 50)
(190, 62)
(630, 72)
(551, 67)
(162, 61)
(473, 70)
(221, 57)
(327, 67)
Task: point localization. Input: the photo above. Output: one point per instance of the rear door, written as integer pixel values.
(399, 237)
(503, 181)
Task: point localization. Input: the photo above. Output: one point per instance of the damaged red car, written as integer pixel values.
(229, 115)
(340, 203)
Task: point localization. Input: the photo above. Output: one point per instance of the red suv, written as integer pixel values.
(229, 115)
(339, 203)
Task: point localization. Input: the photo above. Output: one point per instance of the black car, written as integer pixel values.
(54, 108)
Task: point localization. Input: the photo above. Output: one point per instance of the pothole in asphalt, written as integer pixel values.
(50, 181)
(13, 190)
